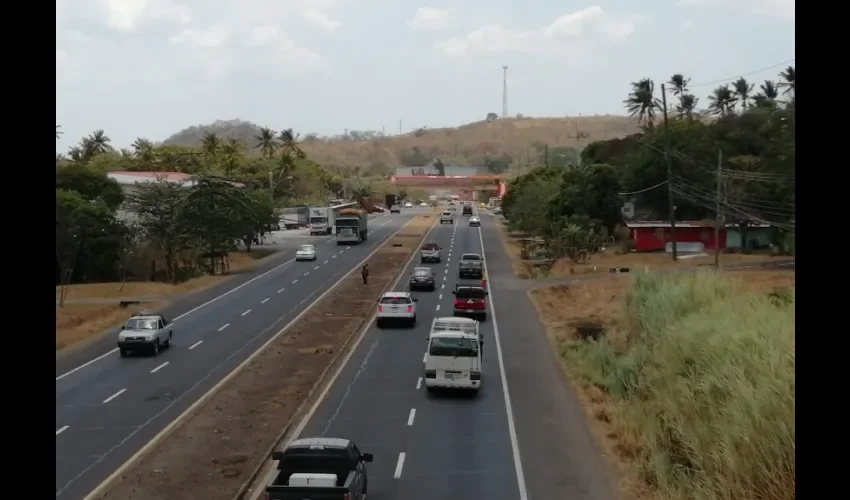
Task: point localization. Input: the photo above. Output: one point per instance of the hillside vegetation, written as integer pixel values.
(520, 140)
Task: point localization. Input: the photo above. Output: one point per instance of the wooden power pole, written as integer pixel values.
(671, 206)
(717, 212)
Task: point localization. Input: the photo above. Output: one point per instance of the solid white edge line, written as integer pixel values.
(62, 429)
(99, 489)
(399, 465)
(411, 417)
(160, 367)
(296, 432)
(255, 278)
(110, 398)
(523, 492)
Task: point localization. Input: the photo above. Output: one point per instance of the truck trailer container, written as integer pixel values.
(351, 226)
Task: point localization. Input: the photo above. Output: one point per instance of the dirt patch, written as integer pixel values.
(567, 310)
(76, 322)
(604, 261)
(214, 451)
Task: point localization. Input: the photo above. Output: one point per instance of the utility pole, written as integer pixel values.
(399, 127)
(717, 212)
(670, 205)
(546, 155)
(504, 92)
(271, 185)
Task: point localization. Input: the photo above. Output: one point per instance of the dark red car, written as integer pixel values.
(470, 301)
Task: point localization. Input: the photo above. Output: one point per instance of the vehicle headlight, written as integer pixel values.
(150, 337)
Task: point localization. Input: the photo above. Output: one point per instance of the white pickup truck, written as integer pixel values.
(454, 355)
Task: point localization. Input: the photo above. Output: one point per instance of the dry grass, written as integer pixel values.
(216, 450)
(565, 309)
(469, 144)
(76, 322)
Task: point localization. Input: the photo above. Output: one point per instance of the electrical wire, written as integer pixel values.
(643, 190)
(711, 198)
(723, 211)
(743, 200)
(751, 73)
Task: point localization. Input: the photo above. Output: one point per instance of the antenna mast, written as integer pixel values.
(505, 92)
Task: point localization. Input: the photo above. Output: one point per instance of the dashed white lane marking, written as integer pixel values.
(160, 367)
(294, 281)
(399, 465)
(222, 327)
(438, 307)
(446, 271)
(315, 268)
(196, 344)
(333, 256)
(325, 262)
(443, 286)
(308, 272)
(418, 383)
(62, 429)
(264, 300)
(110, 398)
(411, 417)
(282, 289)
(246, 312)
(441, 296)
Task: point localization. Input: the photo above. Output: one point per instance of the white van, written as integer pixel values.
(453, 361)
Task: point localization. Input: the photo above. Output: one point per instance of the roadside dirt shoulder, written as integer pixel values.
(216, 449)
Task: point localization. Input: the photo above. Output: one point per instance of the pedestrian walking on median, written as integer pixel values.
(365, 273)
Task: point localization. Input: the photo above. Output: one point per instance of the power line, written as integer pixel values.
(744, 200)
(643, 190)
(734, 212)
(784, 213)
(760, 70)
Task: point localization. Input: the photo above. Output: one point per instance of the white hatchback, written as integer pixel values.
(396, 307)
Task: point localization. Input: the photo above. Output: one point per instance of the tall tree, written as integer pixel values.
(231, 153)
(641, 101)
(722, 100)
(742, 90)
(266, 142)
(210, 144)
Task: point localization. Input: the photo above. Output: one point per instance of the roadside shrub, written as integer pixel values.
(707, 382)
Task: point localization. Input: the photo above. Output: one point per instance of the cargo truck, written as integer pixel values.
(322, 220)
(295, 217)
(351, 226)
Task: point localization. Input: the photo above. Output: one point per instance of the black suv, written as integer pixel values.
(467, 210)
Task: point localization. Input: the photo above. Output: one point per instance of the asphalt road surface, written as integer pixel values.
(456, 447)
(108, 407)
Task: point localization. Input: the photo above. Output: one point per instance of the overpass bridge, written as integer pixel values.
(468, 182)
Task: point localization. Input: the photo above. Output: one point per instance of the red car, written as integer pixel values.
(470, 301)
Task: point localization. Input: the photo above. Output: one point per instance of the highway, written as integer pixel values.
(425, 446)
(108, 407)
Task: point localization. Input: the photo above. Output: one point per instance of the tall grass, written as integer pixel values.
(706, 380)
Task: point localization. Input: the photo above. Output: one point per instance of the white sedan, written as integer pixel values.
(306, 252)
(474, 221)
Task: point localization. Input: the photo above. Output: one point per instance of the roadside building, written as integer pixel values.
(698, 236)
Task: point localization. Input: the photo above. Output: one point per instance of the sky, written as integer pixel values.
(150, 68)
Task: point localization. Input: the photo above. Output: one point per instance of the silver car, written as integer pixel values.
(447, 217)
(149, 332)
(474, 221)
(306, 252)
(396, 306)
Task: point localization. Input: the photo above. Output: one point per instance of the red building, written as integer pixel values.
(651, 236)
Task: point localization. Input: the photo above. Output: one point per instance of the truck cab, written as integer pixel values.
(319, 469)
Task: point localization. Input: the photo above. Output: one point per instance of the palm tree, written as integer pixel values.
(210, 144)
(127, 153)
(361, 191)
(231, 151)
(289, 144)
(143, 149)
(687, 105)
(767, 97)
(679, 88)
(58, 132)
(97, 143)
(722, 101)
(789, 77)
(266, 142)
(76, 154)
(642, 102)
(742, 89)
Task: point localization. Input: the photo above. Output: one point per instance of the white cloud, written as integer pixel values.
(591, 24)
(209, 37)
(129, 16)
(431, 19)
(320, 20)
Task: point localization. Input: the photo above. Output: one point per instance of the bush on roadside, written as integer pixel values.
(706, 382)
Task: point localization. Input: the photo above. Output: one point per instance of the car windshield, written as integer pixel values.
(422, 272)
(305, 248)
(453, 347)
(430, 246)
(447, 213)
(141, 324)
(395, 300)
(470, 256)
